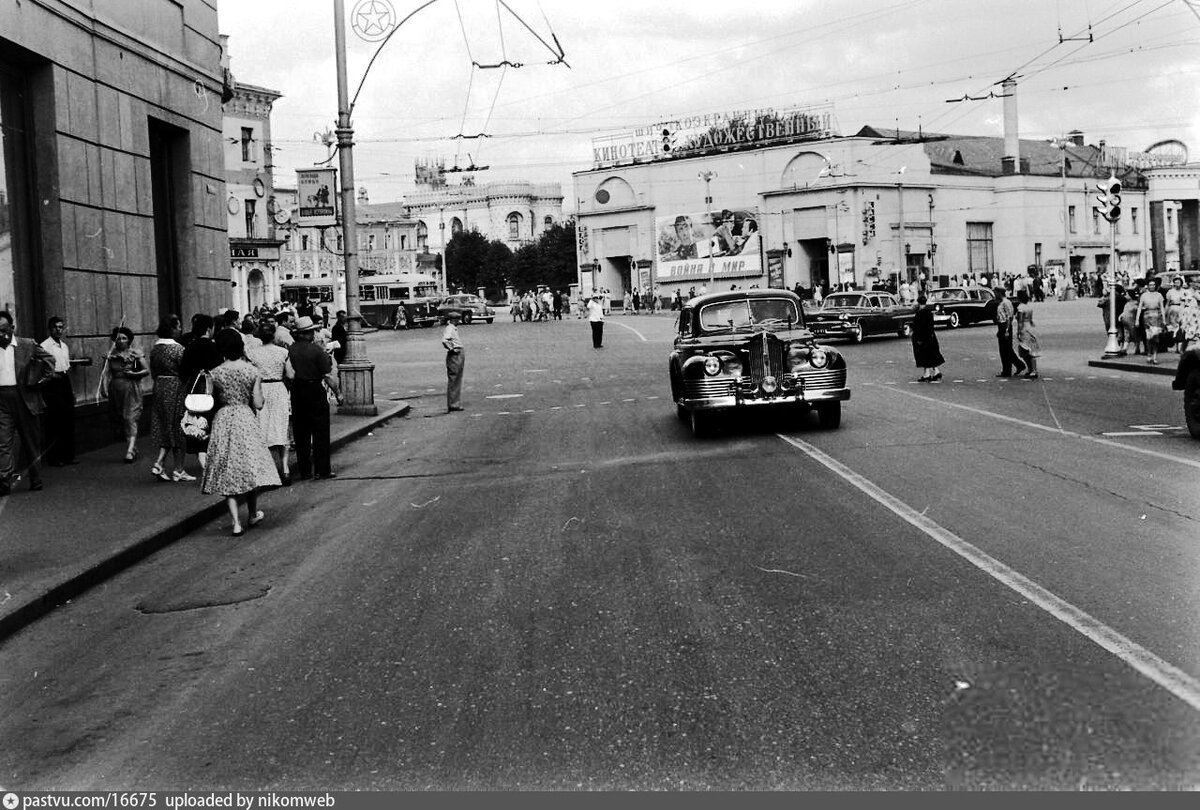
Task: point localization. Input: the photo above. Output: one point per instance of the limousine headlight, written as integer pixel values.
(712, 365)
(819, 358)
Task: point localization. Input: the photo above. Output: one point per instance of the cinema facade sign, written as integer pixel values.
(699, 135)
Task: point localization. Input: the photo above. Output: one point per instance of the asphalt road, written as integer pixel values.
(974, 584)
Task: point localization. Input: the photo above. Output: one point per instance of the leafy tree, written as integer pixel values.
(466, 254)
(556, 256)
(474, 261)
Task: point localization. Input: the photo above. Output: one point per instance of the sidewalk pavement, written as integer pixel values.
(99, 517)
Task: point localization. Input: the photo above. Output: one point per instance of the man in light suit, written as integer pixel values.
(24, 369)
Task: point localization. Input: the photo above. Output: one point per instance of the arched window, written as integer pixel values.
(514, 226)
(548, 222)
(456, 226)
(422, 236)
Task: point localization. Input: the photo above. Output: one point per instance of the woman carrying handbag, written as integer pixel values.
(199, 355)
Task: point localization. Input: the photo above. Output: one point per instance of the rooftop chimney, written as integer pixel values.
(1011, 162)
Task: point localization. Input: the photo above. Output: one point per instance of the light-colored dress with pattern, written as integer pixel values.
(238, 458)
(270, 360)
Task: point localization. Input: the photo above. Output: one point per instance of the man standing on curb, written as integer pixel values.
(1004, 335)
(596, 318)
(24, 367)
(310, 368)
(58, 420)
(456, 359)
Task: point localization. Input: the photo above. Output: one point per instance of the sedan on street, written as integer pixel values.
(962, 306)
(470, 307)
(855, 315)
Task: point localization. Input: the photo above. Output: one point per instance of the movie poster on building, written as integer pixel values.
(687, 241)
(316, 190)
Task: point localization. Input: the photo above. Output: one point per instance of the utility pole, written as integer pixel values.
(708, 177)
(356, 374)
(903, 265)
(1062, 144)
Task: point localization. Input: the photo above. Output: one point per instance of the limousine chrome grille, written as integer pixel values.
(767, 356)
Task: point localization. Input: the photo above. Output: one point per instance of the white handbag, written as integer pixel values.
(200, 398)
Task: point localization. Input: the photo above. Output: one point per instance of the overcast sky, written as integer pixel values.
(636, 62)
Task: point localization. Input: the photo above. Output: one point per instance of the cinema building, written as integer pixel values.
(779, 199)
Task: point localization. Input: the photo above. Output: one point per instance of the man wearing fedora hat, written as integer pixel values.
(455, 361)
(310, 369)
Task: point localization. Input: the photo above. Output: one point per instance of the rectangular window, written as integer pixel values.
(248, 153)
(1095, 221)
(250, 206)
(979, 248)
(1133, 222)
(1170, 220)
(304, 241)
(371, 241)
(1071, 218)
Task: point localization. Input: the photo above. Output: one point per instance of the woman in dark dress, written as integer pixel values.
(199, 354)
(167, 408)
(926, 351)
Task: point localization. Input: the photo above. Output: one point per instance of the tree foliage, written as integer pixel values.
(474, 261)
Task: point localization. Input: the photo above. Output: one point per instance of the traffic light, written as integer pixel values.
(666, 140)
(1108, 201)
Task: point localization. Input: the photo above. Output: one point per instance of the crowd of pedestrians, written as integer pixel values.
(1151, 320)
(258, 377)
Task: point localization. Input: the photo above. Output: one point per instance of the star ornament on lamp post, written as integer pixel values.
(372, 20)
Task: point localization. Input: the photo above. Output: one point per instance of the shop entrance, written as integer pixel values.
(815, 254)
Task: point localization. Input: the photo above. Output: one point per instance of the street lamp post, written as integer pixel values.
(708, 177)
(356, 374)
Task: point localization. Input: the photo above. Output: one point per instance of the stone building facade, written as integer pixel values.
(875, 207)
(112, 198)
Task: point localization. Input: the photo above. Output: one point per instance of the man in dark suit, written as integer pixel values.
(24, 369)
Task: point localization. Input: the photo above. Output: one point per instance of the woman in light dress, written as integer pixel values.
(1150, 316)
(239, 463)
(270, 359)
(1027, 339)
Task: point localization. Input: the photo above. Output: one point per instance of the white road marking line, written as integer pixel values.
(629, 400)
(653, 397)
(529, 410)
(1132, 433)
(556, 407)
(581, 405)
(1150, 427)
(1132, 448)
(631, 329)
(1166, 675)
(503, 396)
(605, 402)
